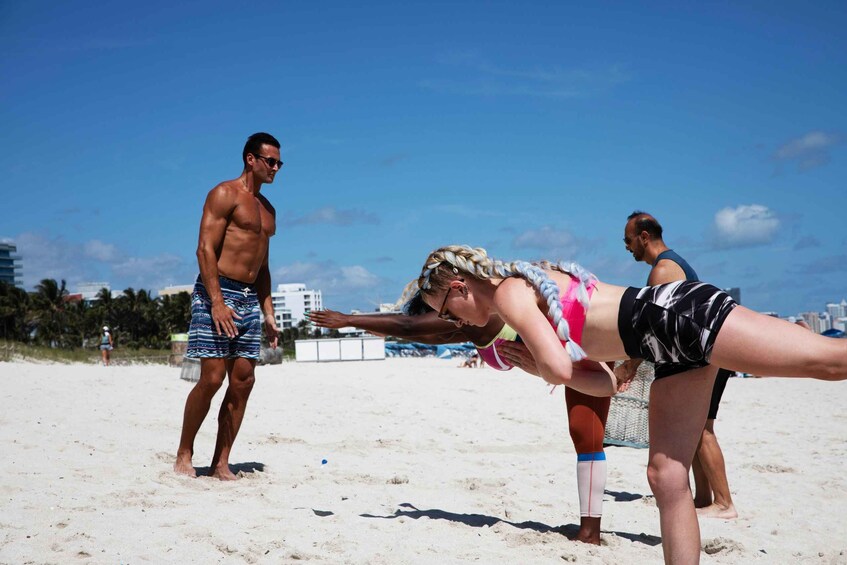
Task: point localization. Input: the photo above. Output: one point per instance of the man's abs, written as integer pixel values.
(242, 255)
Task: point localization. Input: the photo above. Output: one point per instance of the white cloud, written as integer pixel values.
(359, 277)
(46, 257)
(327, 275)
(49, 258)
(334, 216)
(343, 286)
(809, 150)
(152, 273)
(96, 249)
(553, 243)
(467, 211)
(478, 77)
(745, 226)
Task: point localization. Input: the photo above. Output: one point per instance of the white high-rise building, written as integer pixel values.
(292, 302)
(813, 319)
(174, 289)
(824, 322)
(90, 290)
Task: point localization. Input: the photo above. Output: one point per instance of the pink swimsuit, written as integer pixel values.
(490, 354)
(572, 311)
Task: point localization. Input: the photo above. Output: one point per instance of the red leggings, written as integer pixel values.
(586, 420)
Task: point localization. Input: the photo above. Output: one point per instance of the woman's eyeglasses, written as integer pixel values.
(442, 312)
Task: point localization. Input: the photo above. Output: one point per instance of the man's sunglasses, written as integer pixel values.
(271, 162)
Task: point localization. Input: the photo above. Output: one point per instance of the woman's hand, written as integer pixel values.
(329, 319)
(519, 356)
(625, 373)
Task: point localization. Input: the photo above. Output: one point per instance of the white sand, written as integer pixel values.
(426, 463)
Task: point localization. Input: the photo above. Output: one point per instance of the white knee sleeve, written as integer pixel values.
(591, 482)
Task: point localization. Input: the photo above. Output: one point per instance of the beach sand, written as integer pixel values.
(425, 463)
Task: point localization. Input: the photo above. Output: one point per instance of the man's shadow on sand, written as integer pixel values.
(236, 468)
(481, 520)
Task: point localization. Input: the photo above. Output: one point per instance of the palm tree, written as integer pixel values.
(14, 304)
(48, 311)
(175, 313)
(137, 316)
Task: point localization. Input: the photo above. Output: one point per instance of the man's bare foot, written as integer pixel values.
(183, 465)
(718, 511)
(223, 473)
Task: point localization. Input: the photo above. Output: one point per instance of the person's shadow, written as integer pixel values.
(482, 520)
(626, 496)
(246, 467)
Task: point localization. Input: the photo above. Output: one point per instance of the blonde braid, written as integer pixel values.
(445, 263)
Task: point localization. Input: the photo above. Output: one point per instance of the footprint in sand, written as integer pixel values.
(722, 545)
(772, 468)
(275, 440)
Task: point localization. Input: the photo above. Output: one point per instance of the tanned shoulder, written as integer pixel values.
(665, 271)
(223, 198)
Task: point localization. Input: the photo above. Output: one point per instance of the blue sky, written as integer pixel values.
(532, 129)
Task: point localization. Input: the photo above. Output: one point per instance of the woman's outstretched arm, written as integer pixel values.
(425, 328)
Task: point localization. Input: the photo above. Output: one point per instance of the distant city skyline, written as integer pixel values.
(89, 290)
(532, 130)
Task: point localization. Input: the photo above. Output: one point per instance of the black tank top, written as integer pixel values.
(690, 274)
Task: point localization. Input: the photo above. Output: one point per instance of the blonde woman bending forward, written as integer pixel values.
(571, 323)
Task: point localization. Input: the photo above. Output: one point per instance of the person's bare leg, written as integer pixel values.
(589, 530)
(711, 457)
(678, 408)
(702, 488)
(103, 355)
(212, 372)
(241, 379)
(761, 345)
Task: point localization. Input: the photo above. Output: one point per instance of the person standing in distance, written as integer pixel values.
(233, 286)
(643, 238)
(106, 346)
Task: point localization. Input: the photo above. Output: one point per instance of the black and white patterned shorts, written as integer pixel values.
(674, 325)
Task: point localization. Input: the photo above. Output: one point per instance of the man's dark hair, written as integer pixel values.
(255, 142)
(646, 222)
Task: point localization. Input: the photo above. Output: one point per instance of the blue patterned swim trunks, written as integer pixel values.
(203, 338)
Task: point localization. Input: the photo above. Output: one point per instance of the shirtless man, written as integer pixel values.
(643, 238)
(233, 284)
